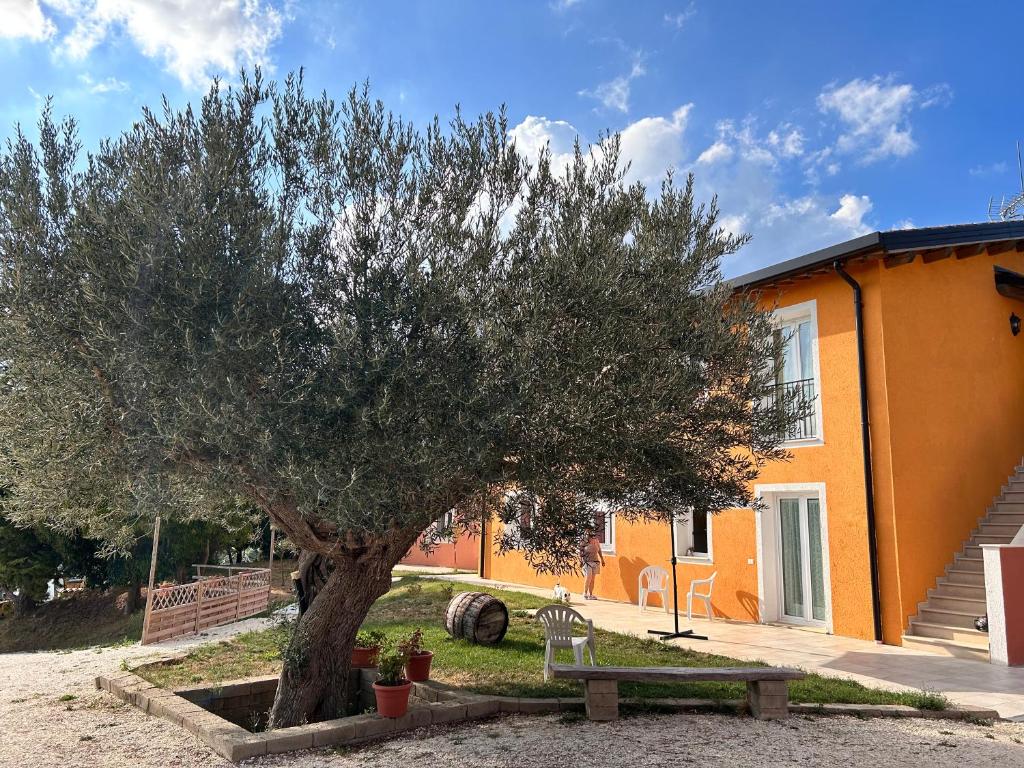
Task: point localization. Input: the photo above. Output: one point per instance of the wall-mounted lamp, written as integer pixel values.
(1014, 324)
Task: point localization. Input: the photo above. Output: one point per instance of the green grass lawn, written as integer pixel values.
(515, 667)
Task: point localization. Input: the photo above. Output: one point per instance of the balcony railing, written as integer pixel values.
(802, 398)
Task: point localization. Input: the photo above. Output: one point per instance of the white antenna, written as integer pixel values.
(1009, 208)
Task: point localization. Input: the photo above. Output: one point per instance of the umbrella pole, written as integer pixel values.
(689, 633)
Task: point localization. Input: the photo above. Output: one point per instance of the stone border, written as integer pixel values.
(439, 704)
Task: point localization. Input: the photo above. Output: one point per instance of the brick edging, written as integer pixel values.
(444, 705)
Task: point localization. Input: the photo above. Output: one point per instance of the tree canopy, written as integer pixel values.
(359, 326)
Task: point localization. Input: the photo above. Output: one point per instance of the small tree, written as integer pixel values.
(27, 563)
(359, 327)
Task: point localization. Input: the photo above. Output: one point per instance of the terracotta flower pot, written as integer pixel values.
(392, 700)
(364, 658)
(417, 668)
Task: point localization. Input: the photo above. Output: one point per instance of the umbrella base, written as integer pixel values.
(688, 633)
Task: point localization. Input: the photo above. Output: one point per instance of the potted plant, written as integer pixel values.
(417, 666)
(392, 689)
(368, 645)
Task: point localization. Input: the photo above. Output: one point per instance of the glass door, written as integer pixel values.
(803, 559)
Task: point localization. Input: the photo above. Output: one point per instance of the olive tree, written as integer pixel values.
(358, 327)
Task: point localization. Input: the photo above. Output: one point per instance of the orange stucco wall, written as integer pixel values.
(946, 409)
(837, 462)
(463, 554)
(640, 544)
(955, 379)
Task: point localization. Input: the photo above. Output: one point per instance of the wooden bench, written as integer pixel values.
(767, 692)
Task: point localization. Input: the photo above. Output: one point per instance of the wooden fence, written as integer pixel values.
(209, 601)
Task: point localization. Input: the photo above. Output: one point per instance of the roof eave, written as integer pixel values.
(898, 241)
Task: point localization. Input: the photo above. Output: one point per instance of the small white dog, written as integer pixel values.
(561, 594)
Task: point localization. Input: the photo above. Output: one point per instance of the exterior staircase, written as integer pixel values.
(945, 621)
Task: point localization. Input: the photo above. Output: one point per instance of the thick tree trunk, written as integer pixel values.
(313, 570)
(314, 676)
(23, 603)
(134, 598)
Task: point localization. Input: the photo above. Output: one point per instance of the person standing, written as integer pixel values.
(593, 560)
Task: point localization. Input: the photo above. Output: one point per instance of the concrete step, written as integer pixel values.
(972, 550)
(1011, 499)
(972, 637)
(945, 587)
(999, 528)
(988, 538)
(955, 575)
(943, 647)
(965, 563)
(1003, 518)
(938, 599)
(948, 618)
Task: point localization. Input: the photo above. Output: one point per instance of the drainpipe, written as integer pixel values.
(865, 436)
(483, 542)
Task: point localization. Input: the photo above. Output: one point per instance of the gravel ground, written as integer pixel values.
(40, 726)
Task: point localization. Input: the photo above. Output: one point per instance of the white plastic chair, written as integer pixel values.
(657, 582)
(705, 596)
(558, 621)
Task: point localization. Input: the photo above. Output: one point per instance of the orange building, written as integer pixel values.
(460, 551)
(871, 530)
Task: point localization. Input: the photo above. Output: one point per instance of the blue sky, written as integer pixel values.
(813, 122)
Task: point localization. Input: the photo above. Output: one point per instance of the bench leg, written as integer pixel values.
(768, 699)
(602, 698)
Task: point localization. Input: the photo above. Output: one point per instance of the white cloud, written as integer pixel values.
(751, 180)
(110, 85)
(875, 115)
(195, 39)
(734, 225)
(614, 94)
(535, 133)
(904, 224)
(748, 170)
(564, 5)
(851, 212)
(990, 169)
(24, 18)
(939, 95)
(716, 152)
(785, 227)
(787, 141)
(678, 20)
(653, 145)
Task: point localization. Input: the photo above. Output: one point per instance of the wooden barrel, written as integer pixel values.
(477, 617)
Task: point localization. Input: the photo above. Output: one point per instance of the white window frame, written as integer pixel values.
(769, 577)
(682, 530)
(806, 310)
(446, 521)
(513, 527)
(608, 547)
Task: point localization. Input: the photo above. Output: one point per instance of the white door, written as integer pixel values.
(801, 559)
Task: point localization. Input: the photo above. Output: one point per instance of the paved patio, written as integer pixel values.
(963, 681)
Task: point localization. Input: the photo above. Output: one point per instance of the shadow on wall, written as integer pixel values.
(750, 605)
(629, 572)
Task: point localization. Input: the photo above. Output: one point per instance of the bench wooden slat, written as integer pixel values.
(677, 674)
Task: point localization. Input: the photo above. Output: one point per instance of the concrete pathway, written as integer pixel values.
(970, 683)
